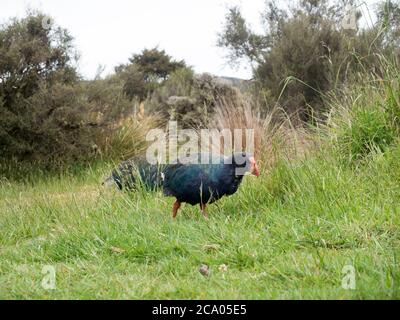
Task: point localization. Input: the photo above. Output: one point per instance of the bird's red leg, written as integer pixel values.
(175, 208)
(204, 210)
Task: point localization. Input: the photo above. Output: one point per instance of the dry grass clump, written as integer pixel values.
(275, 134)
(129, 137)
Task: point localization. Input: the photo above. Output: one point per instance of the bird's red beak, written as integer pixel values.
(253, 167)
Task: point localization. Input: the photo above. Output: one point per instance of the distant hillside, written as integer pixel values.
(235, 82)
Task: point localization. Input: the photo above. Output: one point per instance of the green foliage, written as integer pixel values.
(156, 64)
(108, 244)
(51, 118)
(51, 126)
(392, 103)
(31, 54)
(389, 17)
(191, 100)
(364, 118)
(368, 131)
(239, 40)
(146, 71)
(41, 102)
(305, 43)
(286, 235)
(134, 84)
(108, 102)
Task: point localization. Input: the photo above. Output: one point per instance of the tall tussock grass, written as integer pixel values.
(128, 138)
(275, 134)
(315, 162)
(364, 117)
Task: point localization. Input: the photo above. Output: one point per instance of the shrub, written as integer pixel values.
(146, 71)
(48, 117)
(108, 102)
(189, 99)
(48, 127)
(305, 42)
(41, 101)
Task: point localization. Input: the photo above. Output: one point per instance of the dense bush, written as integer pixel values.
(190, 99)
(108, 102)
(49, 126)
(41, 102)
(146, 71)
(305, 52)
(48, 115)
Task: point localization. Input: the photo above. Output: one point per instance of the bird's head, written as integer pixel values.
(244, 163)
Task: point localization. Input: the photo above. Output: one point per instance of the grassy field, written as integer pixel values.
(287, 234)
(311, 222)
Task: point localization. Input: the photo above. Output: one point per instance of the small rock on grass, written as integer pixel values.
(204, 270)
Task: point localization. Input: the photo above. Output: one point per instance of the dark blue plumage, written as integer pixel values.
(202, 184)
(197, 182)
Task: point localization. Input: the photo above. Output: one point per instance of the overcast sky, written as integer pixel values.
(107, 32)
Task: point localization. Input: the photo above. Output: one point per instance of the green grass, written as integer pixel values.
(287, 234)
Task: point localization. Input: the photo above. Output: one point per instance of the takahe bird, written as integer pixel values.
(199, 183)
(195, 182)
